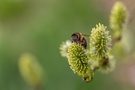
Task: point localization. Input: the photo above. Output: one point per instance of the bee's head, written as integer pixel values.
(75, 37)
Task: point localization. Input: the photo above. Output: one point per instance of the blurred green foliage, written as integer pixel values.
(39, 27)
(9, 8)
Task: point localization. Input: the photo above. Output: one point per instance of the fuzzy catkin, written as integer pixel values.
(100, 41)
(78, 61)
(118, 18)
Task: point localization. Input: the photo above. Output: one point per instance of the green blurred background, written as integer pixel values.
(39, 27)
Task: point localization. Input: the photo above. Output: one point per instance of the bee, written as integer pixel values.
(79, 38)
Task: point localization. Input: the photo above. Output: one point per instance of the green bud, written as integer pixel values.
(78, 61)
(118, 19)
(30, 70)
(100, 41)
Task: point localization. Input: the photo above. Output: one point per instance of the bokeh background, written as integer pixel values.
(40, 26)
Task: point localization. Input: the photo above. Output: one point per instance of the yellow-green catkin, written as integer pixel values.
(30, 70)
(78, 61)
(100, 46)
(100, 41)
(118, 19)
